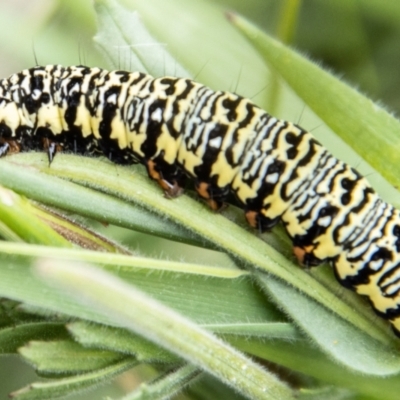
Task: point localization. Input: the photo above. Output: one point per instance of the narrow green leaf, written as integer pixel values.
(370, 356)
(205, 294)
(66, 357)
(12, 315)
(285, 32)
(166, 386)
(363, 124)
(269, 330)
(119, 340)
(7, 233)
(76, 233)
(13, 338)
(71, 385)
(115, 262)
(326, 393)
(123, 341)
(136, 311)
(18, 215)
(288, 20)
(303, 357)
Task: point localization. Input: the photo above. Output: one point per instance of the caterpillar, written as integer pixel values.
(182, 129)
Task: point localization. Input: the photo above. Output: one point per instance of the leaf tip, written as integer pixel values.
(231, 16)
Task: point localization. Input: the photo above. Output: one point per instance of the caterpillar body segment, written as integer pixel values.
(181, 129)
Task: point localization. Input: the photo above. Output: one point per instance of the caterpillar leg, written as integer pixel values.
(213, 196)
(259, 221)
(8, 146)
(52, 148)
(171, 187)
(305, 256)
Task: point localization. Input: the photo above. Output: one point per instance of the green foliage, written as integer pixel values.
(226, 289)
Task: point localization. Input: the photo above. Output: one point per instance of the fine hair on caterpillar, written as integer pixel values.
(180, 129)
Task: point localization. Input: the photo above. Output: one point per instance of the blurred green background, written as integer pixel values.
(357, 39)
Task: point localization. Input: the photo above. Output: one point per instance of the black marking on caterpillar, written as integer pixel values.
(178, 128)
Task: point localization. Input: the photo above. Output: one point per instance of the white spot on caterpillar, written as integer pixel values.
(376, 265)
(130, 112)
(272, 178)
(36, 94)
(216, 142)
(157, 115)
(112, 99)
(325, 221)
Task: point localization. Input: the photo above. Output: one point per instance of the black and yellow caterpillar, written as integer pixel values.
(178, 128)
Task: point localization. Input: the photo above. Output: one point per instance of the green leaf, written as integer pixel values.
(13, 338)
(66, 357)
(204, 293)
(326, 393)
(7, 233)
(76, 233)
(269, 330)
(119, 340)
(304, 358)
(333, 334)
(19, 217)
(12, 315)
(68, 386)
(123, 341)
(133, 309)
